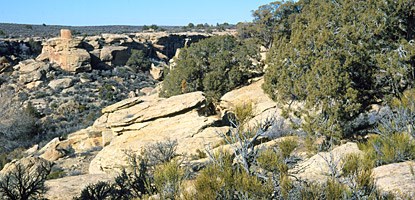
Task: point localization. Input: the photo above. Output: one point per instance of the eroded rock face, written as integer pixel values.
(67, 52)
(397, 178)
(32, 70)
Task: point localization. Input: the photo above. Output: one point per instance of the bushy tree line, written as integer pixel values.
(215, 65)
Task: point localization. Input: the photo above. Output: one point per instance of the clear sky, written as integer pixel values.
(127, 12)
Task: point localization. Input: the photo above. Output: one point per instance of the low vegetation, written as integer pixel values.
(18, 125)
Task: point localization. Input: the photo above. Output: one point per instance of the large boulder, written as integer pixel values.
(263, 106)
(189, 129)
(319, 167)
(67, 52)
(61, 83)
(396, 178)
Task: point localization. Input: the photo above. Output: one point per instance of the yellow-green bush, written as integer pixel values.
(287, 146)
(272, 161)
(168, 178)
(389, 149)
(244, 112)
(223, 180)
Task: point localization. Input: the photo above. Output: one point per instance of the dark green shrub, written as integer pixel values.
(97, 191)
(215, 65)
(139, 60)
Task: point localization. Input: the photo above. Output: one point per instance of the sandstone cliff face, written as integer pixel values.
(66, 52)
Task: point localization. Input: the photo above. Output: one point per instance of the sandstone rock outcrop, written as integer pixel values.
(115, 55)
(138, 122)
(32, 70)
(396, 178)
(263, 106)
(317, 168)
(66, 52)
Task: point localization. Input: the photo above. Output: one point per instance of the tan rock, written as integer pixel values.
(107, 137)
(156, 72)
(32, 70)
(147, 111)
(54, 150)
(49, 145)
(100, 124)
(115, 55)
(263, 106)
(30, 65)
(84, 140)
(32, 150)
(34, 85)
(161, 56)
(67, 53)
(122, 105)
(316, 168)
(61, 83)
(66, 34)
(188, 129)
(68, 187)
(108, 52)
(29, 163)
(396, 178)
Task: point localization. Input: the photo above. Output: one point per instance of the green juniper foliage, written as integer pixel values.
(215, 65)
(341, 57)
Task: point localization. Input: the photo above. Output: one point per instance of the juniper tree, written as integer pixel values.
(214, 65)
(340, 57)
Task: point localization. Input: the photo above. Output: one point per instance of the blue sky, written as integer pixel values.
(127, 12)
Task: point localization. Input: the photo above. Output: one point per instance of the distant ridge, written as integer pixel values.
(44, 30)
